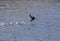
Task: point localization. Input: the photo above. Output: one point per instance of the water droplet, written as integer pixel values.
(11, 24)
(16, 22)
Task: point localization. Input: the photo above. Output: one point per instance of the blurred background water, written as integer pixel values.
(46, 28)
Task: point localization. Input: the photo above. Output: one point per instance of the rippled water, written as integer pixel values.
(16, 26)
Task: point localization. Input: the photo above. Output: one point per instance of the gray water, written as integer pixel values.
(46, 28)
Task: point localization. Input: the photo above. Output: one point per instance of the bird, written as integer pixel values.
(32, 17)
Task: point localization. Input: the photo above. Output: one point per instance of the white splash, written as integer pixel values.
(16, 22)
(2, 24)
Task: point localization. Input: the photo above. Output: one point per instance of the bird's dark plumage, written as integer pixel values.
(32, 17)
